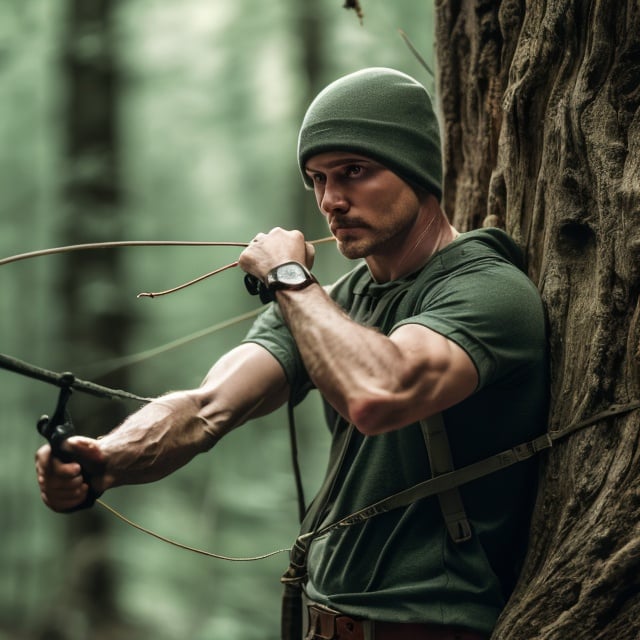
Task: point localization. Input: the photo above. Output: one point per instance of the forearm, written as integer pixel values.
(155, 441)
(164, 435)
(350, 364)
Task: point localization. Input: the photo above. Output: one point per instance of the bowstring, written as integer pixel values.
(106, 367)
(186, 547)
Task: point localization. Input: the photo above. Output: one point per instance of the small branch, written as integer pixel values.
(416, 53)
(355, 5)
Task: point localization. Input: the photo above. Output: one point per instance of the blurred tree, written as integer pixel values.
(94, 322)
(541, 105)
(310, 26)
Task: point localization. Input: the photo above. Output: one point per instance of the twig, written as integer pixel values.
(416, 53)
(355, 5)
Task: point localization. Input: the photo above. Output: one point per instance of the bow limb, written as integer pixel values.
(60, 380)
(152, 294)
(130, 243)
(156, 294)
(116, 244)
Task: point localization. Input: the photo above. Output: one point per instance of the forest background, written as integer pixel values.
(209, 98)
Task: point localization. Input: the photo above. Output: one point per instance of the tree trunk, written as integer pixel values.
(94, 324)
(542, 136)
(310, 25)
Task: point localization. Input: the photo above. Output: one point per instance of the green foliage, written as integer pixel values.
(211, 95)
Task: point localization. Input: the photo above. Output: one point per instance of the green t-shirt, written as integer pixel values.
(402, 565)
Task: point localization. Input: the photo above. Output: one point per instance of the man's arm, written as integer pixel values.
(165, 434)
(378, 382)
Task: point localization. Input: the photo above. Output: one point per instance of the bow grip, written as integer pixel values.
(56, 435)
(57, 429)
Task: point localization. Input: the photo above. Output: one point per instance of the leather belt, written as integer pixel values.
(327, 624)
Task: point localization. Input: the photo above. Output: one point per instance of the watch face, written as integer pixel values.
(291, 274)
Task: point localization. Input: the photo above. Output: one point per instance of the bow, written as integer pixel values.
(57, 428)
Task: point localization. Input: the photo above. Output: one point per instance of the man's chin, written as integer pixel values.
(352, 250)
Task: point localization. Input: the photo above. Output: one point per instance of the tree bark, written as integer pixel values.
(541, 112)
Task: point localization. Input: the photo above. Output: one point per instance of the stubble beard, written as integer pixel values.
(355, 248)
(376, 242)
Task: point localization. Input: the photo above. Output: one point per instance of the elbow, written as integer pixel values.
(372, 415)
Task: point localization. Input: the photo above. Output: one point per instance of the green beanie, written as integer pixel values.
(382, 114)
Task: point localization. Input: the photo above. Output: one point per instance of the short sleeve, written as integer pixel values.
(270, 331)
(493, 312)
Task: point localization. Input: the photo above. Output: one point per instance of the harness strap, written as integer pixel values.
(441, 461)
(474, 471)
(612, 410)
(441, 483)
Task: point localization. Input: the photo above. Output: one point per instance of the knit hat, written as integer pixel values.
(380, 113)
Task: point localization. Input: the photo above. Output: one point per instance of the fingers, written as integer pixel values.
(310, 251)
(268, 250)
(62, 486)
(64, 497)
(48, 465)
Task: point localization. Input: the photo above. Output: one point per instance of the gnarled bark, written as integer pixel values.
(541, 108)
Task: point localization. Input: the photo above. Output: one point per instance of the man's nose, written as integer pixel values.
(334, 199)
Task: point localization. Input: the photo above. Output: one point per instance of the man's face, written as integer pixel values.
(370, 210)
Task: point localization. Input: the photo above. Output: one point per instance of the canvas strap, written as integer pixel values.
(441, 461)
(453, 479)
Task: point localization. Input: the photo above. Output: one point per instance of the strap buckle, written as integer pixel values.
(529, 449)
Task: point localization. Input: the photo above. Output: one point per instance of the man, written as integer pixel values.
(433, 328)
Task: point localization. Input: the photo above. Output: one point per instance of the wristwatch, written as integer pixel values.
(289, 275)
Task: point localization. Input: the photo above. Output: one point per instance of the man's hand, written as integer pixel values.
(166, 433)
(268, 250)
(62, 485)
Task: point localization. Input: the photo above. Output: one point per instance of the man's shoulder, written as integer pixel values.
(489, 241)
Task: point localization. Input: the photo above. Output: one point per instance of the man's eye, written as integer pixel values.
(317, 178)
(353, 170)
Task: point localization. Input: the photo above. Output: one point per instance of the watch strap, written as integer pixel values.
(266, 290)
